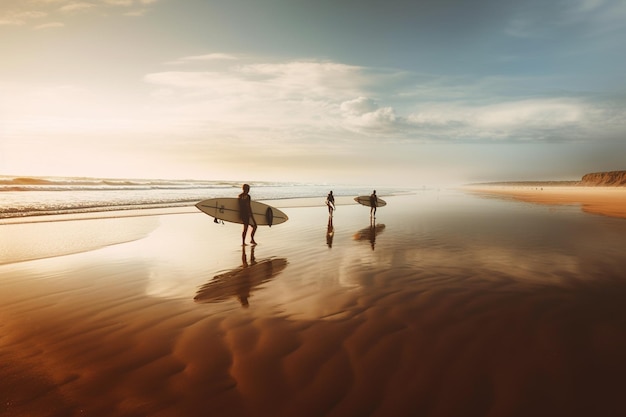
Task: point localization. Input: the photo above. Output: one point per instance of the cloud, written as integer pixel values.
(19, 18)
(129, 3)
(313, 96)
(50, 25)
(31, 13)
(75, 7)
(380, 121)
(314, 106)
(203, 58)
(296, 80)
(363, 115)
(125, 3)
(359, 106)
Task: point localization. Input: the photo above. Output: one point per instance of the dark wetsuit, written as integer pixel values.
(244, 208)
(330, 202)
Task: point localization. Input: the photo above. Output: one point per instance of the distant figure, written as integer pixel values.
(373, 203)
(245, 213)
(330, 202)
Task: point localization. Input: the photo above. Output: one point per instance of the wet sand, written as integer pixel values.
(607, 201)
(417, 313)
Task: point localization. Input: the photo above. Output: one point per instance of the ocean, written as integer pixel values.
(23, 197)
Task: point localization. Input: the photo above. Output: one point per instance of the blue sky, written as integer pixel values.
(376, 92)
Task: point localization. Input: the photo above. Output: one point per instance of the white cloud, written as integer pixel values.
(383, 120)
(291, 99)
(308, 105)
(510, 121)
(315, 96)
(22, 13)
(363, 115)
(203, 58)
(309, 78)
(50, 25)
(550, 112)
(128, 3)
(19, 18)
(297, 81)
(76, 7)
(359, 106)
(125, 3)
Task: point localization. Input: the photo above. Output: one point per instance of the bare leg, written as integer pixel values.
(243, 235)
(254, 226)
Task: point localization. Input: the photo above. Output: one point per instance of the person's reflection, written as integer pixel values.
(370, 233)
(241, 281)
(330, 231)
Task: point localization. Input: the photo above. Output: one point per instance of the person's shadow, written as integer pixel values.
(369, 233)
(240, 282)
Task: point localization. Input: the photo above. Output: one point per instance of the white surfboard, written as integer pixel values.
(227, 209)
(365, 200)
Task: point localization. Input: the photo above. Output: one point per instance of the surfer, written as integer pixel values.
(373, 203)
(330, 202)
(245, 212)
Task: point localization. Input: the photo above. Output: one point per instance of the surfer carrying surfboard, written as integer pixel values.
(245, 212)
(330, 202)
(373, 203)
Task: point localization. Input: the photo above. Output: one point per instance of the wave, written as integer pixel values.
(38, 196)
(103, 184)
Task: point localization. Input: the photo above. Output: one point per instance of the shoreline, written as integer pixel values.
(602, 200)
(288, 202)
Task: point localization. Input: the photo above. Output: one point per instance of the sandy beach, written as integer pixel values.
(446, 304)
(604, 200)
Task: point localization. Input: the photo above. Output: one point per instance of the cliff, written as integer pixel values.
(614, 178)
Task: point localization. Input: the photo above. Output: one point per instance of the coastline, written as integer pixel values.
(601, 200)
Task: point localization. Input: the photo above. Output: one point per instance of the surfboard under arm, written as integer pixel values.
(227, 209)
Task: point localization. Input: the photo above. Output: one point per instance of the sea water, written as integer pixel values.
(35, 196)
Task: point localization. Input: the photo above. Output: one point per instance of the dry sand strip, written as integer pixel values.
(607, 201)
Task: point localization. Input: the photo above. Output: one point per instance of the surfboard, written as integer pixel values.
(227, 209)
(365, 200)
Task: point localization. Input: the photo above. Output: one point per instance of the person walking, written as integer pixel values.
(373, 204)
(245, 213)
(330, 202)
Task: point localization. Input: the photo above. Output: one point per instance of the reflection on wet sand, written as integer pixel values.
(240, 281)
(330, 231)
(370, 233)
(46, 239)
(473, 307)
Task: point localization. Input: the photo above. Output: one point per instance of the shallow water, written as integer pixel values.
(446, 304)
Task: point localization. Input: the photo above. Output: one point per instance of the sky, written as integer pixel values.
(393, 92)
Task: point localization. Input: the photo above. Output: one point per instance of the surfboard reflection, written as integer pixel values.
(370, 233)
(241, 281)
